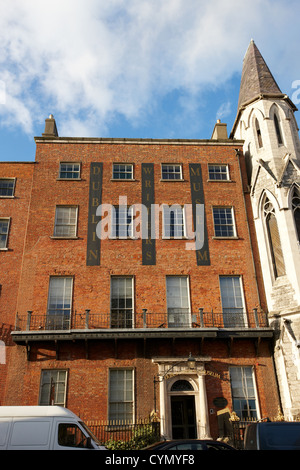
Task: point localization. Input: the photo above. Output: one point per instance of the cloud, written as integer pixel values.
(89, 61)
(224, 110)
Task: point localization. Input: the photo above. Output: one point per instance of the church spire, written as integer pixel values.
(257, 79)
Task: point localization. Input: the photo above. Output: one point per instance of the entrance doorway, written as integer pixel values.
(183, 417)
(183, 400)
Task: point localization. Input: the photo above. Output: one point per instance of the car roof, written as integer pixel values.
(185, 441)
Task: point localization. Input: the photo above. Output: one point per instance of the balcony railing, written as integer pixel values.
(126, 320)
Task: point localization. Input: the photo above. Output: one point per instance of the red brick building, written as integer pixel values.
(105, 322)
(15, 193)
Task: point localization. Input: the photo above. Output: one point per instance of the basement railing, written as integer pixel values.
(126, 319)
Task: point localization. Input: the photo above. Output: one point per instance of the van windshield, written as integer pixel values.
(95, 439)
(285, 436)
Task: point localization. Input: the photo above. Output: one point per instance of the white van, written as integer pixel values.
(44, 428)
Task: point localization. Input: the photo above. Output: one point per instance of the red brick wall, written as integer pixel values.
(87, 393)
(45, 257)
(11, 259)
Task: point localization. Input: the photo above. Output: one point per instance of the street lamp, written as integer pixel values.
(191, 362)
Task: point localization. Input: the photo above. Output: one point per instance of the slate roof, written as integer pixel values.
(256, 78)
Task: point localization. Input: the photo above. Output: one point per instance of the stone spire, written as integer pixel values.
(257, 79)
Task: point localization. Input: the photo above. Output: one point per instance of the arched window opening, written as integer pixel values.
(296, 210)
(258, 134)
(277, 129)
(274, 239)
(182, 386)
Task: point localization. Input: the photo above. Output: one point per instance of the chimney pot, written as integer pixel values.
(50, 127)
(220, 131)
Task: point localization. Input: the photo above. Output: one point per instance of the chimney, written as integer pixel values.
(50, 127)
(220, 131)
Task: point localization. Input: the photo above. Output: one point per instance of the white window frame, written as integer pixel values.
(65, 224)
(126, 318)
(122, 228)
(127, 171)
(178, 225)
(181, 317)
(8, 196)
(227, 223)
(245, 388)
(5, 219)
(72, 170)
(58, 381)
(170, 169)
(233, 311)
(216, 172)
(113, 417)
(59, 317)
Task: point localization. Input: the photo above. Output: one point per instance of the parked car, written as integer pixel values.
(268, 435)
(189, 444)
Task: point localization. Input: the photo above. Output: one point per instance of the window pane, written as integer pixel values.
(296, 210)
(223, 222)
(123, 171)
(70, 435)
(278, 130)
(258, 134)
(121, 302)
(121, 395)
(171, 172)
(59, 302)
(4, 223)
(65, 221)
(232, 301)
(122, 222)
(53, 387)
(69, 170)
(173, 221)
(231, 293)
(243, 392)
(178, 301)
(7, 187)
(274, 239)
(297, 221)
(218, 172)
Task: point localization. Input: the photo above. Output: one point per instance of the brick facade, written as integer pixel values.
(15, 209)
(88, 354)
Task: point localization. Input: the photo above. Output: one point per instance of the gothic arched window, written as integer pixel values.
(274, 239)
(277, 129)
(258, 134)
(296, 210)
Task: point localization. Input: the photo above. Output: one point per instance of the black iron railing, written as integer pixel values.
(125, 435)
(87, 320)
(238, 431)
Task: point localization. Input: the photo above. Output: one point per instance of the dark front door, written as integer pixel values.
(183, 417)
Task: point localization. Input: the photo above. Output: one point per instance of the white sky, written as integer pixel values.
(148, 68)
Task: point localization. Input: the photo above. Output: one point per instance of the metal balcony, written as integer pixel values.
(88, 325)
